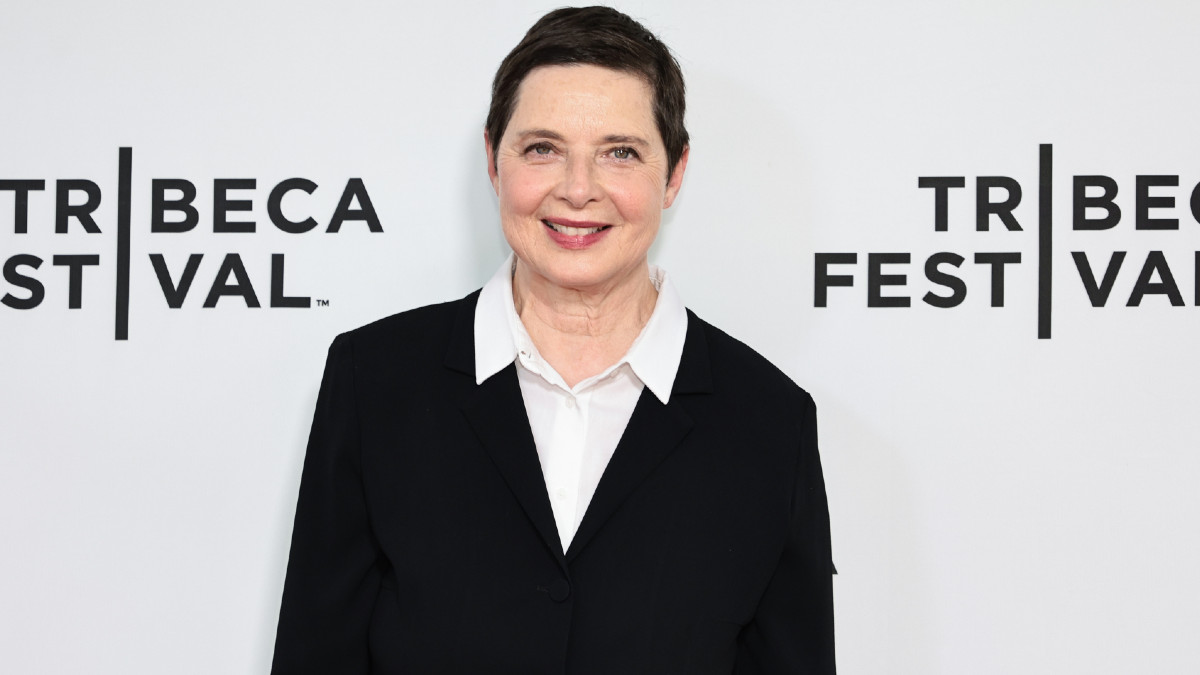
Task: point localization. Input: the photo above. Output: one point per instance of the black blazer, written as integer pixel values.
(424, 540)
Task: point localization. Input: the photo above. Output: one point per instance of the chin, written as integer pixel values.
(582, 275)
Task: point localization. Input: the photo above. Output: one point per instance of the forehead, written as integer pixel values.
(583, 98)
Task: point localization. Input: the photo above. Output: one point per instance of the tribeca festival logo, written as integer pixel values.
(174, 211)
(1094, 208)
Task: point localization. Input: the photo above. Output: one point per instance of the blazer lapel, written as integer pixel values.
(496, 412)
(653, 432)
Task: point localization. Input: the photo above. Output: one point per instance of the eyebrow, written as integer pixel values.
(611, 138)
(631, 140)
(544, 133)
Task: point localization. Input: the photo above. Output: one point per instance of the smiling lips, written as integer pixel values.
(575, 235)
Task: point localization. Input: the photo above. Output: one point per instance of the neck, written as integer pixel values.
(581, 332)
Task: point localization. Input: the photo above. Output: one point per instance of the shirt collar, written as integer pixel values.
(495, 343)
(654, 355)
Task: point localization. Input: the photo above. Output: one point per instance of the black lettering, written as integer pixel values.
(278, 299)
(941, 191)
(958, 289)
(1196, 203)
(20, 190)
(1045, 249)
(997, 261)
(74, 265)
(275, 206)
(1155, 262)
(222, 204)
(1098, 292)
(985, 207)
(232, 266)
(1082, 202)
(1145, 202)
(822, 279)
(37, 292)
(159, 205)
(876, 279)
(175, 294)
(63, 209)
(366, 211)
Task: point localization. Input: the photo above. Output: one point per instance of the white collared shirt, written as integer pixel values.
(576, 429)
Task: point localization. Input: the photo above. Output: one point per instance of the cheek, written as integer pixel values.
(521, 193)
(639, 202)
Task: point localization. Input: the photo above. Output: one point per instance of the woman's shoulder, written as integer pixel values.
(415, 331)
(737, 369)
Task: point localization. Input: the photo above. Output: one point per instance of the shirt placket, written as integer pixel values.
(570, 436)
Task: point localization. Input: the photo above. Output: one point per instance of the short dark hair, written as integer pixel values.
(599, 36)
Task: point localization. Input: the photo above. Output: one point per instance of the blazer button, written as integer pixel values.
(559, 590)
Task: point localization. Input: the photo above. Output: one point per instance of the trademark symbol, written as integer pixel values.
(322, 303)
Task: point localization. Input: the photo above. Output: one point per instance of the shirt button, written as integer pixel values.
(570, 403)
(561, 493)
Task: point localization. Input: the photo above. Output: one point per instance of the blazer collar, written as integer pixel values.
(460, 353)
(496, 413)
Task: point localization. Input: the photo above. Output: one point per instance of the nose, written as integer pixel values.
(579, 183)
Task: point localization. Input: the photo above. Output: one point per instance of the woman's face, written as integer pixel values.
(581, 173)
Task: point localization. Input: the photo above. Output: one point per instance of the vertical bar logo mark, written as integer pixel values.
(124, 188)
(1045, 238)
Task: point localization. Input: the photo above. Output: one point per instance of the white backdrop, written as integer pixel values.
(1000, 503)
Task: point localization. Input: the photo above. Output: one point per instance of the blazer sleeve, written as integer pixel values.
(333, 571)
(792, 629)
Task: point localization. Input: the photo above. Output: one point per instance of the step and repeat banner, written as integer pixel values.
(971, 230)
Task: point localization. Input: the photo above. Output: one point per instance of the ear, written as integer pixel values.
(491, 162)
(675, 181)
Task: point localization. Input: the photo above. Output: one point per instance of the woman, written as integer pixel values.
(565, 471)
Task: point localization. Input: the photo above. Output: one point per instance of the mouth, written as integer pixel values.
(575, 229)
